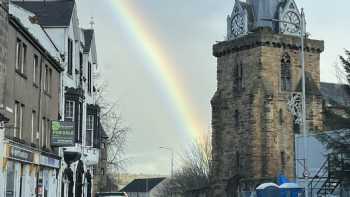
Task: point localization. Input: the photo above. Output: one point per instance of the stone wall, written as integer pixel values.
(3, 47)
(253, 132)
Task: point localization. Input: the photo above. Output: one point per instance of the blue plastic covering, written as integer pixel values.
(290, 190)
(285, 190)
(268, 192)
(282, 179)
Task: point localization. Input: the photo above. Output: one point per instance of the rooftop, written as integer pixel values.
(336, 95)
(142, 185)
(50, 13)
(24, 17)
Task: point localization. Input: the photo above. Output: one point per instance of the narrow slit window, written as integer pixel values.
(237, 119)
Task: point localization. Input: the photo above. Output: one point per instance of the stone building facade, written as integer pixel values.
(258, 69)
(3, 46)
(31, 98)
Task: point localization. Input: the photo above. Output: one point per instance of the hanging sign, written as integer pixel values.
(62, 134)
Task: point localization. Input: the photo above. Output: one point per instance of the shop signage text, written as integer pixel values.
(20, 154)
(49, 162)
(62, 133)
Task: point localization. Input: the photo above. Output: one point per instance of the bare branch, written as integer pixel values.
(114, 128)
(195, 171)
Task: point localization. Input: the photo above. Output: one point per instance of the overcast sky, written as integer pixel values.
(186, 31)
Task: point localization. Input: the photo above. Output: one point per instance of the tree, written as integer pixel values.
(338, 117)
(113, 126)
(194, 174)
(345, 60)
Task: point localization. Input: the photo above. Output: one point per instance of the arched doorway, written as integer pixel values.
(88, 186)
(68, 176)
(79, 179)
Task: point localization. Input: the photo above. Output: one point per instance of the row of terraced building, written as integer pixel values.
(52, 143)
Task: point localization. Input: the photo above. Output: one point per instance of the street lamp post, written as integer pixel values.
(172, 158)
(301, 115)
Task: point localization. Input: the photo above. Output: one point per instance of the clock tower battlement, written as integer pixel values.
(252, 14)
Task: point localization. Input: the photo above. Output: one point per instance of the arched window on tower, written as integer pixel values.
(286, 76)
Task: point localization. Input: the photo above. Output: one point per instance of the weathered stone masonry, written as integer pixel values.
(3, 45)
(253, 132)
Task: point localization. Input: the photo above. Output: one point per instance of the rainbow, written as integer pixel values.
(163, 68)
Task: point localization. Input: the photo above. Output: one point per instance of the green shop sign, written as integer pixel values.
(62, 133)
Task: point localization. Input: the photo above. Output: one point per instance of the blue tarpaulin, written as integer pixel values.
(284, 190)
(282, 179)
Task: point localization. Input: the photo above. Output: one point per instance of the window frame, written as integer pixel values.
(33, 125)
(70, 57)
(35, 69)
(46, 79)
(72, 107)
(48, 132)
(16, 118)
(50, 82)
(24, 58)
(90, 125)
(43, 127)
(21, 120)
(18, 55)
(286, 73)
(89, 77)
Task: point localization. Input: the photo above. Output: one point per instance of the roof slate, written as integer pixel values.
(23, 17)
(142, 185)
(336, 94)
(50, 13)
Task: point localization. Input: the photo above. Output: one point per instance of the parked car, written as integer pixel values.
(111, 194)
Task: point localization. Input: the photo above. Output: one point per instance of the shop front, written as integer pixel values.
(19, 170)
(48, 175)
(26, 172)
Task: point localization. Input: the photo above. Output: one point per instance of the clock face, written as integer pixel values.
(237, 25)
(293, 22)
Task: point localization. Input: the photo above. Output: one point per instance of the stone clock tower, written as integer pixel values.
(3, 47)
(258, 70)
